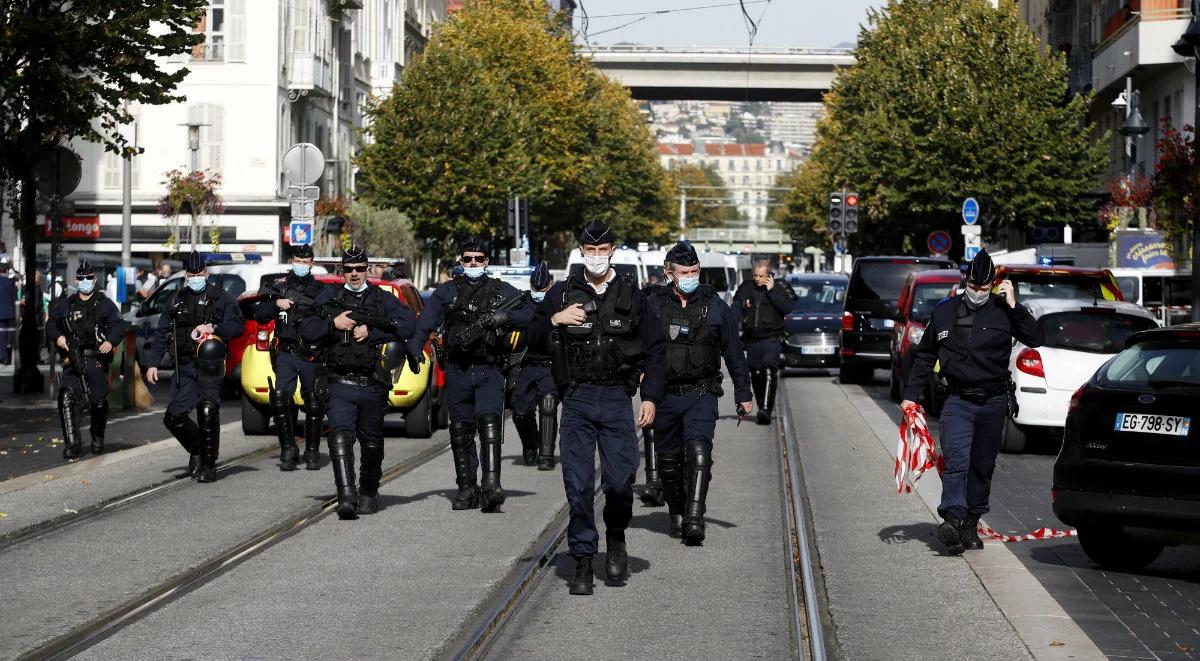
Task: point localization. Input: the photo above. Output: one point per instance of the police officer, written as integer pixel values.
(603, 337)
(700, 330)
(535, 397)
(469, 308)
(91, 323)
(350, 324)
(652, 493)
(292, 358)
(195, 325)
(761, 304)
(971, 335)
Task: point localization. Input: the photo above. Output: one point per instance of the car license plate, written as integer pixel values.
(1145, 423)
(820, 351)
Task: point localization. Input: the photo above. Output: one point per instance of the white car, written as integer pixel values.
(1080, 337)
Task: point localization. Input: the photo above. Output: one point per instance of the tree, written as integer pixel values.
(803, 214)
(68, 69)
(1176, 185)
(700, 213)
(387, 231)
(948, 100)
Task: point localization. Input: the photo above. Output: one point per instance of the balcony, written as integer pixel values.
(384, 75)
(1138, 37)
(309, 73)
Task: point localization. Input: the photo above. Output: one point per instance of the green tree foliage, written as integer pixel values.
(700, 214)
(803, 212)
(387, 231)
(1176, 187)
(500, 105)
(947, 100)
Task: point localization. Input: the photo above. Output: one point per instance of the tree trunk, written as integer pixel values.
(28, 378)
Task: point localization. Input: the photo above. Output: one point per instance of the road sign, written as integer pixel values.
(971, 230)
(300, 233)
(971, 252)
(57, 170)
(938, 242)
(970, 211)
(303, 163)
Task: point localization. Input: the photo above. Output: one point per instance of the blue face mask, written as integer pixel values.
(688, 285)
(301, 270)
(538, 296)
(474, 272)
(196, 283)
(87, 286)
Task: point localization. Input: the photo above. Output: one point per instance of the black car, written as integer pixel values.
(1128, 474)
(812, 328)
(872, 304)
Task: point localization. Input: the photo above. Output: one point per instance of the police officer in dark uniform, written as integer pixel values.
(971, 335)
(468, 307)
(762, 304)
(92, 324)
(535, 397)
(292, 358)
(700, 330)
(351, 324)
(603, 338)
(652, 493)
(194, 328)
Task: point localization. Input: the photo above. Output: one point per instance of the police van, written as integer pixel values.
(1167, 294)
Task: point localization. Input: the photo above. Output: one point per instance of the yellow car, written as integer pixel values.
(418, 396)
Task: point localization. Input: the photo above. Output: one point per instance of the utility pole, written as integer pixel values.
(682, 214)
(127, 210)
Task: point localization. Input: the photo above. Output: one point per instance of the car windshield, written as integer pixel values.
(875, 281)
(715, 277)
(1050, 285)
(1080, 330)
(1167, 361)
(925, 298)
(1129, 288)
(621, 269)
(818, 297)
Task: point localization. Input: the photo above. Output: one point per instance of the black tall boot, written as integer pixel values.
(670, 469)
(698, 472)
(188, 435)
(489, 461)
(99, 423)
(527, 430)
(341, 456)
(652, 495)
(68, 404)
(770, 386)
(548, 426)
(462, 437)
(314, 415)
(281, 410)
(369, 474)
(208, 419)
(758, 380)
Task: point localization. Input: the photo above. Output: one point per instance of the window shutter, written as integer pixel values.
(112, 170)
(235, 30)
(212, 138)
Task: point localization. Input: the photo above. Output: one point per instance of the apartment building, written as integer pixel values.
(747, 170)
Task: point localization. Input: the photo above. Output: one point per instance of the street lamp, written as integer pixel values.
(1134, 128)
(193, 134)
(1189, 46)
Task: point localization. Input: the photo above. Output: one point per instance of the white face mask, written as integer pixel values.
(364, 286)
(597, 265)
(538, 296)
(977, 298)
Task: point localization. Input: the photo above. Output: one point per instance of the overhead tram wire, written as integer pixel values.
(683, 9)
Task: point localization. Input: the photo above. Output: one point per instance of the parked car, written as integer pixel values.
(922, 292)
(1080, 337)
(417, 396)
(813, 327)
(1128, 474)
(872, 303)
(1067, 282)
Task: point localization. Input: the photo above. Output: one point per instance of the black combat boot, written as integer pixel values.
(462, 438)
(341, 456)
(670, 469)
(371, 471)
(489, 461)
(548, 427)
(758, 380)
(208, 419)
(582, 583)
(770, 388)
(313, 415)
(616, 565)
(968, 532)
(698, 473)
(68, 410)
(949, 533)
(99, 423)
(526, 424)
(652, 495)
(188, 434)
(281, 410)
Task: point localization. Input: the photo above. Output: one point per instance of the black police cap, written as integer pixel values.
(84, 268)
(194, 262)
(982, 271)
(683, 254)
(302, 252)
(541, 278)
(355, 255)
(472, 244)
(597, 233)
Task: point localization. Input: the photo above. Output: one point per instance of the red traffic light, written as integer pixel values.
(851, 200)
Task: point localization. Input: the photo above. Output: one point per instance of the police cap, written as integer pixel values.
(84, 268)
(194, 263)
(354, 255)
(302, 252)
(981, 271)
(683, 254)
(541, 278)
(597, 233)
(472, 244)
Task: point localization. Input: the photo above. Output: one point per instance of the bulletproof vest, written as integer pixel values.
(346, 355)
(191, 310)
(287, 322)
(471, 301)
(760, 319)
(692, 351)
(964, 323)
(607, 346)
(84, 320)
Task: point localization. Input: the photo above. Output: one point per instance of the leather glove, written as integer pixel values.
(496, 320)
(414, 361)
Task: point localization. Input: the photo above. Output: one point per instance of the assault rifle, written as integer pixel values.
(74, 358)
(474, 332)
(331, 308)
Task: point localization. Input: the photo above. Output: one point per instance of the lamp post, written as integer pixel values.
(1189, 46)
(193, 128)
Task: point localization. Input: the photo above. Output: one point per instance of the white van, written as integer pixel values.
(1166, 294)
(652, 263)
(716, 272)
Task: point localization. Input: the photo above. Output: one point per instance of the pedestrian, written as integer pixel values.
(476, 313)
(700, 330)
(604, 340)
(5, 256)
(292, 358)
(535, 397)
(971, 336)
(195, 325)
(652, 493)
(762, 303)
(82, 325)
(8, 313)
(110, 285)
(351, 324)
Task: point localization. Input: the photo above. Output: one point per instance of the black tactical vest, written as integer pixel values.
(189, 311)
(471, 301)
(84, 322)
(692, 350)
(345, 355)
(760, 319)
(287, 322)
(607, 347)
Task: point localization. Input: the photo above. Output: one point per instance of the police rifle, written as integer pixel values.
(74, 358)
(474, 332)
(331, 308)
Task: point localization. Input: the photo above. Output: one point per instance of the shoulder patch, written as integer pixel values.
(943, 335)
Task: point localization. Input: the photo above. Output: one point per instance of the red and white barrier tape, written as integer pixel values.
(1040, 533)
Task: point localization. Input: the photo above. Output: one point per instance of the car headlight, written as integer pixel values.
(915, 333)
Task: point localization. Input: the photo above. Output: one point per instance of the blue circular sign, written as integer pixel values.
(970, 211)
(938, 242)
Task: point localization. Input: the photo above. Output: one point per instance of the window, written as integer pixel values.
(758, 165)
(745, 166)
(210, 117)
(731, 165)
(302, 24)
(114, 164)
(224, 27)
(745, 180)
(1091, 332)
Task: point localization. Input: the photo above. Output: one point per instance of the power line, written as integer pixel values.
(625, 25)
(741, 3)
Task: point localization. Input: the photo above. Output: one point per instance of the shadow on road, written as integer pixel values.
(924, 532)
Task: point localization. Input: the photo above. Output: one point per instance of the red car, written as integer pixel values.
(921, 293)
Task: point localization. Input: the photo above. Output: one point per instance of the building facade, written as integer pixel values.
(748, 171)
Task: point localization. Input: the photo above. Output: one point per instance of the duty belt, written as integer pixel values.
(689, 387)
(355, 380)
(541, 362)
(604, 382)
(980, 392)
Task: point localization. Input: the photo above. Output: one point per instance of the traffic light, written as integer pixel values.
(518, 215)
(835, 214)
(512, 216)
(850, 213)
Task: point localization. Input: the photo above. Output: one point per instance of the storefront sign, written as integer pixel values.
(1143, 251)
(77, 227)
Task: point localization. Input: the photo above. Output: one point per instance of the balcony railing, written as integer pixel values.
(1143, 10)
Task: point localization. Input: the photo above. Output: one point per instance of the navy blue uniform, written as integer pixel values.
(214, 306)
(760, 315)
(92, 327)
(973, 347)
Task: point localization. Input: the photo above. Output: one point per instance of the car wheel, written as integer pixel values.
(418, 422)
(255, 421)
(1112, 549)
(1014, 438)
